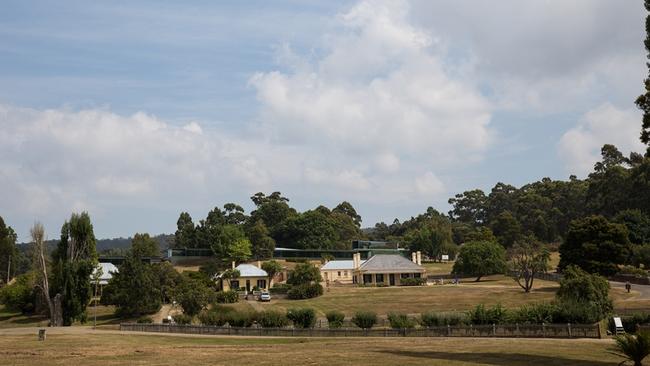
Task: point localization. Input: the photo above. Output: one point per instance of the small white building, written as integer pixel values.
(338, 271)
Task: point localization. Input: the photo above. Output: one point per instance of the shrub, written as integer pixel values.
(272, 319)
(580, 312)
(280, 288)
(495, 315)
(578, 286)
(535, 313)
(630, 322)
(335, 319)
(400, 321)
(144, 320)
(20, 295)
(302, 318)
(631, 270)
(217, 315)
(364, 319)
(182, 319)
(305, 291)
(240, 319)
(433, 319)
(226, 297)
(413, 281)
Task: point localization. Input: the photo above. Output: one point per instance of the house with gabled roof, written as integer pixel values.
(380, 269)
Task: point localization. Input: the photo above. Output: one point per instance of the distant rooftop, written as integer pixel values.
(337, 265)
(383, 263)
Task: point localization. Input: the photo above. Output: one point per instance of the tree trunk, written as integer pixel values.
(478, 278)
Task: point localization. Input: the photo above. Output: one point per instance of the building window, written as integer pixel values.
(345, 273)
(379, 278)
(404, 275)
(339, 273)
(367, 278)
(261, 284)
(417, 275)
(234, 284)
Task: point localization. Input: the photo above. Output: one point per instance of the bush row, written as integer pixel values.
(413, 281)
(305, 291)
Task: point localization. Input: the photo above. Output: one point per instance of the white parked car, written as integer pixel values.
(265, 296)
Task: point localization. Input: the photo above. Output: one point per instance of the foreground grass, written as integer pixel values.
(128, 349)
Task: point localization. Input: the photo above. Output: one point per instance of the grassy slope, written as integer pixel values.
(129, 349)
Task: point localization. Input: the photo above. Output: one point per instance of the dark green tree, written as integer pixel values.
(142, 245)
(262, 244)
(637, 224)
(506, 228)
(643, 101)
(74, 260)
(135, 290)
(347, 209)
(480, 258)
(304, 273)
(185, 236)
(193, 296)
(469, 207)
(595, 245)
(272, 268)
(8, 251)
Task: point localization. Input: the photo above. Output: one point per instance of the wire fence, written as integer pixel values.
(501, 331)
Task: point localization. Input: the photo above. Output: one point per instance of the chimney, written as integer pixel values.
(414, 257)
(233, 264)
(419, 258)
(259, 264)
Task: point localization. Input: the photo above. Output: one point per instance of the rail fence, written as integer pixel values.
(502, 331)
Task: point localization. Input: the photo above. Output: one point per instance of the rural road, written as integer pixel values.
(642, 290)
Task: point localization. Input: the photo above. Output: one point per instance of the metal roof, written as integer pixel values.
(249, 270)
(336, 265)
(107, 272)
(383, 263)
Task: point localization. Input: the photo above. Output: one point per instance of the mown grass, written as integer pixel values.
(131, 349)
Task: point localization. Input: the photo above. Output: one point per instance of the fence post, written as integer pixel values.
(517, 330)
(448, 330)
(569, 329)
(543, 330)
(494, 329)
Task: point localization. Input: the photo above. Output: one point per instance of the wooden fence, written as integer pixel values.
(504, 331)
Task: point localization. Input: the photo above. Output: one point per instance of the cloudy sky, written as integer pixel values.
(136, 111)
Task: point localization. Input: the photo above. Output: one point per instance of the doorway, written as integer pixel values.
(391, 279)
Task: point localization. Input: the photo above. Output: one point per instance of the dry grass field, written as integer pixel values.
(490, 291)
(84, 347)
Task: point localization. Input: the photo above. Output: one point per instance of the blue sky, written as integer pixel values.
(136, 111)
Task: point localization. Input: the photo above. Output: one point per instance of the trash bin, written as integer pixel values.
(41, 334)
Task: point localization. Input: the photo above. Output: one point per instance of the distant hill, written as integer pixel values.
(117, 246)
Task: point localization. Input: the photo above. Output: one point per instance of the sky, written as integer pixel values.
(138, 110)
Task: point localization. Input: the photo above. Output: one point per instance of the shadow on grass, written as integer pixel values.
(505, 359)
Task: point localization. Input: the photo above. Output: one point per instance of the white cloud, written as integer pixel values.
(606, 124)
(53, 162)
(382, 88)
(428, 185)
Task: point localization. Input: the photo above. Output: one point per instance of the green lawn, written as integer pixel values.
(105, 348)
